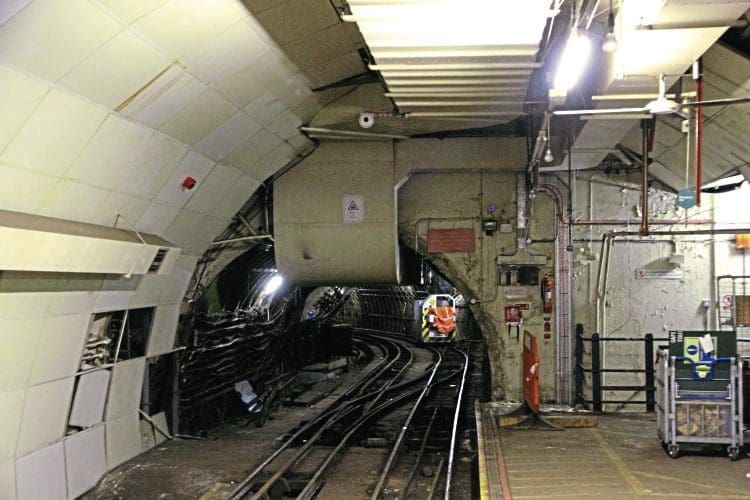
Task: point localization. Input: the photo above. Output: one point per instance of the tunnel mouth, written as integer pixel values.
(256, 344)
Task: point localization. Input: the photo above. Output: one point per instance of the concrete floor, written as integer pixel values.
(621, 458)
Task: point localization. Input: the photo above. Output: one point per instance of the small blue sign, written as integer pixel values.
(692, 350)
(310, 313)
(491, 208)
(686, 198)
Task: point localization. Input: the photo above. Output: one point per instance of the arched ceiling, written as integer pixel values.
(108, 105)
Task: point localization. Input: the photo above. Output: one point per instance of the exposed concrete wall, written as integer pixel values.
(446, 184)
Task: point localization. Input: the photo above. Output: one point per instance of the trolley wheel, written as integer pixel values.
(673, 450)
(734, 452)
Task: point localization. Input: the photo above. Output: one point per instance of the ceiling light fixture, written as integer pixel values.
(573, 60)
(273, 284)
(548, 154)
(610, 40)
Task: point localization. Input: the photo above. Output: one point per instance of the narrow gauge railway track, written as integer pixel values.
(390, 386)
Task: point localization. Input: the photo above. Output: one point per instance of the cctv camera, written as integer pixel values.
(366, 120)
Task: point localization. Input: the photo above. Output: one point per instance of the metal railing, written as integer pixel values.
(597, 400)
(596, 370)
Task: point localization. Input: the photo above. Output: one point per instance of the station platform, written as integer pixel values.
(621, 457)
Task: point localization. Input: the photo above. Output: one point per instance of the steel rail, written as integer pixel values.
(242, 487)
(420, 454)
(404, 428)
(306, 492)
(454, 432)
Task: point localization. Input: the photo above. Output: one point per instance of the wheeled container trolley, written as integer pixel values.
(699, 392)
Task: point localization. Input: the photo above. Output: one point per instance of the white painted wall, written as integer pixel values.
(633, 306)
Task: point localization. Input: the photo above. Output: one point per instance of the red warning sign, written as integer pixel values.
(450, 240)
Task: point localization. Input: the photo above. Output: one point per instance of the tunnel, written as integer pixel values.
(373, 248)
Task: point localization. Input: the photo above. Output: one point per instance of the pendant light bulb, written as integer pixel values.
(548, 156)
(610, 43)
(610, 40)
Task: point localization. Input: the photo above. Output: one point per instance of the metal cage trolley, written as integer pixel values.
(699, 392)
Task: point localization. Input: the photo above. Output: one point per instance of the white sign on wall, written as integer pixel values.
(354, 208)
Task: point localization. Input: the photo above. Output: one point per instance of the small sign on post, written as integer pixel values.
(354, 208)
(686, 198)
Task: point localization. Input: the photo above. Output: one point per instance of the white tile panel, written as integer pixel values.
(89, 399)
(165, 97)
(156, 218)
(108, 158)
(19, 96)
(64, 32)
(181, 26)
(131, 208)
(45, 413)
(235, 196)
(307, 109)
(265, 108)
(19, 339)
(163, 330)
(74, 200)
(24, 305)
(299, 142)
(200, 118)
(85, 460)
(230, 134)
(116, 71)
(285, 125)
(247, 84)
(146, 430)
(42, 474)
(128, 10)
(125, 389)
(148, 292)
(55, 133)
(112, 301)
(213, 188)
(192, 165)
(273, 161)
(194, 231)
(11, 411)
(253, 150)
(9, 8)
(60, 347)
(24, 190)
(174, 288)
(160, 157)
(71, 302)
(8, 480)
(161, 423)
(123, 440)
(236, 48)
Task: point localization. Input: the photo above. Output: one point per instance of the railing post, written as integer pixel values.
(579, 364)
(650, 382)
(596, 374)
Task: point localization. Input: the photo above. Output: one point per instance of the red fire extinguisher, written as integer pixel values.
(548, 286)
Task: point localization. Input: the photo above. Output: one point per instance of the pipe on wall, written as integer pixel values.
(699, 135)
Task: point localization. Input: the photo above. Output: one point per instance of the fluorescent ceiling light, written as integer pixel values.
(457, 95)
(425, 114)
(458, 103)
(573, 61)
(416, 71)
(453, 66)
